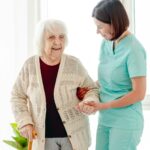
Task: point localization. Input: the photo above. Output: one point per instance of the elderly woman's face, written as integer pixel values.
(54, 45)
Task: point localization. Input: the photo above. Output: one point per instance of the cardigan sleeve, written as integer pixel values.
(19, 98)
(93, 93)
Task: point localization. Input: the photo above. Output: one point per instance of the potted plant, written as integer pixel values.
(18, 142)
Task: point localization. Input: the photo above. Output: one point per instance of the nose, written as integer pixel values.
(57, 40)
(98, 31)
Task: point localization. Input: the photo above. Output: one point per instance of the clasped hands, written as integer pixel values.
(88, 107)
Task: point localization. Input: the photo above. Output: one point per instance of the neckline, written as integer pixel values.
(122, 36)
(115, 48)
(48, 64)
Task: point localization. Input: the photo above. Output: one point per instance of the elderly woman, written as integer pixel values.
(44, 94)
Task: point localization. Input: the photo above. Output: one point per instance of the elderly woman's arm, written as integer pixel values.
(89, 85)
(19, 99)
(88, 91)
(82, 91)
(19, 104)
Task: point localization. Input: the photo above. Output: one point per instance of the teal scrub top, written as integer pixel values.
(115, 70)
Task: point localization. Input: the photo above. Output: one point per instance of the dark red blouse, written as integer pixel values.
(53, 122)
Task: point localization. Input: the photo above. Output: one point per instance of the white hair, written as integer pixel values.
(49, 26)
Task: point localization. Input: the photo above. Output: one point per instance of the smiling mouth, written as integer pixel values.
(56, 49)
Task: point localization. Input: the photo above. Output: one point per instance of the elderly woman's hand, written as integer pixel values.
(28, 132)
(96, 105)
(84, 108)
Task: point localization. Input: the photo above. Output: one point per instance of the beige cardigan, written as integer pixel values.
(29, 103)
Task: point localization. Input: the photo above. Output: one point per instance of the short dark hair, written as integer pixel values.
(114, 13)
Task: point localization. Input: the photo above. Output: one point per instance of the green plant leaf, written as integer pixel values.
(18, 142)
(15, 129)
(21, 140)
(13, 144)
(25, 148)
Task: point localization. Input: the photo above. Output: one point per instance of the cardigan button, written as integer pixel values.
(69, 136)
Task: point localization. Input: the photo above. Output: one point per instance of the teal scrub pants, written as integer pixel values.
(109, 138)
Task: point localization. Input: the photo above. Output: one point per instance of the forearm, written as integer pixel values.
(126, 100)
(93, 92)
(92, 95)
(137, 94)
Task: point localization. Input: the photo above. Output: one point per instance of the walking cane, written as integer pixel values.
(34, 134)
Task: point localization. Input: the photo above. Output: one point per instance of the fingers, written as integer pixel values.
(88, 109)
(90, 103)
(34, 134)
(79, 107)
(30, 137)
(84, 108)
(28, 132)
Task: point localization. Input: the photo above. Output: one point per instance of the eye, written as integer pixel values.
(61, 36)
(51, 37)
